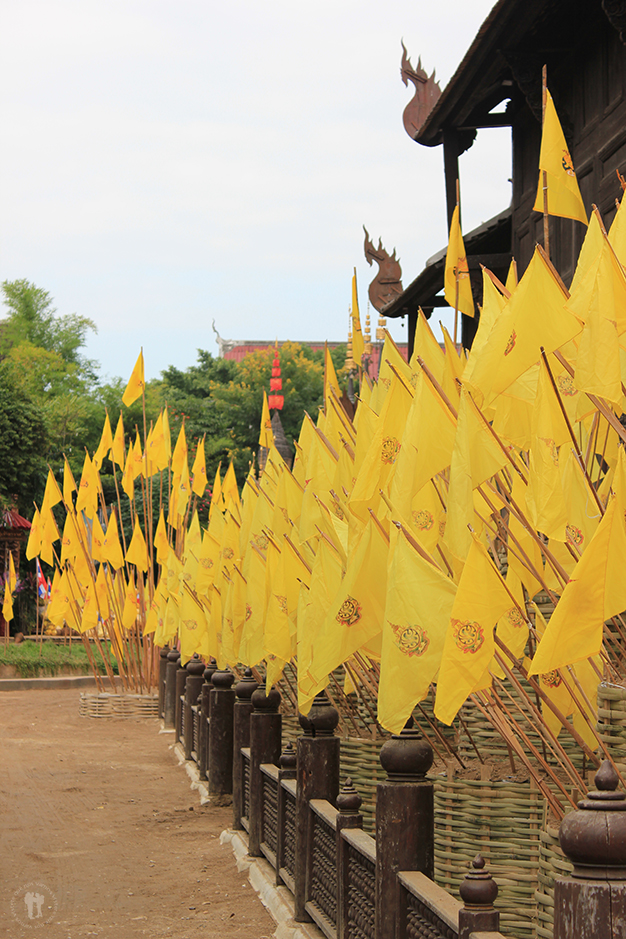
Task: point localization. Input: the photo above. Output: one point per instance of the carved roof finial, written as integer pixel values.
(427, 93)
(387, 284)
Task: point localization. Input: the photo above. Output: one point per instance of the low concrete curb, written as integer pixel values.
(277, 900)
(48, 683)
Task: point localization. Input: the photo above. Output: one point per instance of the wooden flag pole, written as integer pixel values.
(544, 175)
(456, 278)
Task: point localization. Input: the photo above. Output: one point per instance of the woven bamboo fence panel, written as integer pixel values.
(129, 706)
(502, 821)
(612, 721)
(552, 864)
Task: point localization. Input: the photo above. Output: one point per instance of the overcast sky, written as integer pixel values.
(164, 164)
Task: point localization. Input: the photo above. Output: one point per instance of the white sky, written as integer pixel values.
(167, 163)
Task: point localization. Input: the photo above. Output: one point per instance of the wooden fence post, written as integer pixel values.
(317, 777)
(242, 710)
(203, 737)
(591, 904)
(265, 734)
(348, 803)
(193, 684)
(221, 735)
(169, 705)
(287, 764)
(181, 678)
(163, 653)
(478, 891)
(405, 827)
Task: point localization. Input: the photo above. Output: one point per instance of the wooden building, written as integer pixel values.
(498, 83)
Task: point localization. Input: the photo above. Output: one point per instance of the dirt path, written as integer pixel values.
(102, 834)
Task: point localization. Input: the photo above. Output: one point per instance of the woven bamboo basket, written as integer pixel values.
(502, 821)
(129, 706)
(552, 864)
(612, 721)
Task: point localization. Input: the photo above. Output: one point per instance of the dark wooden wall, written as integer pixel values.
(587, 81)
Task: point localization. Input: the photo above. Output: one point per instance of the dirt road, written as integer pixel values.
(102, 836)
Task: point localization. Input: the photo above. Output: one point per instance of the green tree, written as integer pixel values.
(23, 444)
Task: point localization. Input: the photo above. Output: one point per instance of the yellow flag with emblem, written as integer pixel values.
(112, 549)
(595, 591)
(457, 285)
(358, 345)
(106, 442)
(564, 198)
(481, 600)
(136, 383)
(266, 434)
(198, 470)
(137, 553)
(417, 612)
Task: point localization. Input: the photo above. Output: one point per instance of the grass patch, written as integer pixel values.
(31, 659)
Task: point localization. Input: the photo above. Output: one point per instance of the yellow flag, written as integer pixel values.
(417, 612)
(192, 626)
(358, 345)
(546, 504)
(595, 591)
(112, 550)
(457, 286)
(330, 377)
(356, 614)
(230, 489)
(266, 434)
(157, 448)
(106, 442)
(52, 494)
(118, 449)
(428, 349)
(217, 502)
(87, 499)
(7, 604)
(137, 552)
(34, 537)
(564, 198)
(475, 458)
(481, 600)
(136, 383)
(161, 542)
(198, 471)
(97, 540)
(12, 581)
(179, 457)
(69, 486)
(251, 649)
(130, 609)
(49, 534)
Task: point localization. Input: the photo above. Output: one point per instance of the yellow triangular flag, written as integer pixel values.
(266, 434)
(564, 198)
(358, 344)
(198, 471)
(136, 383)
(137, 553)
(457, 286)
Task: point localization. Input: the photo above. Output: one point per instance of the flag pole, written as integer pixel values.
(456, 277)
(546, 221)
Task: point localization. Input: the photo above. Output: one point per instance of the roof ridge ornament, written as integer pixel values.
(427, 93)
(387, 285)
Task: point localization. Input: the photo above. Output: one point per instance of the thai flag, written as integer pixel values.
(42, 587)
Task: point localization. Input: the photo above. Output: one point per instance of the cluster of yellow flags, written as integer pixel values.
(414, 535)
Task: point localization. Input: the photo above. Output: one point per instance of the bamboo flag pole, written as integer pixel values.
(546, 222)
(456, 278)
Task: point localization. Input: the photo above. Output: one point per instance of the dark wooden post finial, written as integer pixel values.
(594, 839)
(478, 891)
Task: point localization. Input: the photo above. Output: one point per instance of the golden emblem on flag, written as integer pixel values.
(423, 519)
(248, 611)
(515, 618)
(337, 510)
(410, 640)
(552, 679)
(566, 385)
(228, 553)
(207, 563)
(386, 382)
(190, 624)
(349, 612)
(468, 635)
(461, 269)
(511, 343)
(390, 449)
(282, 602)
(567, 164)
(550, 444)
(285, 514)
(574, 534)
(262, 541)
(442, 527)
